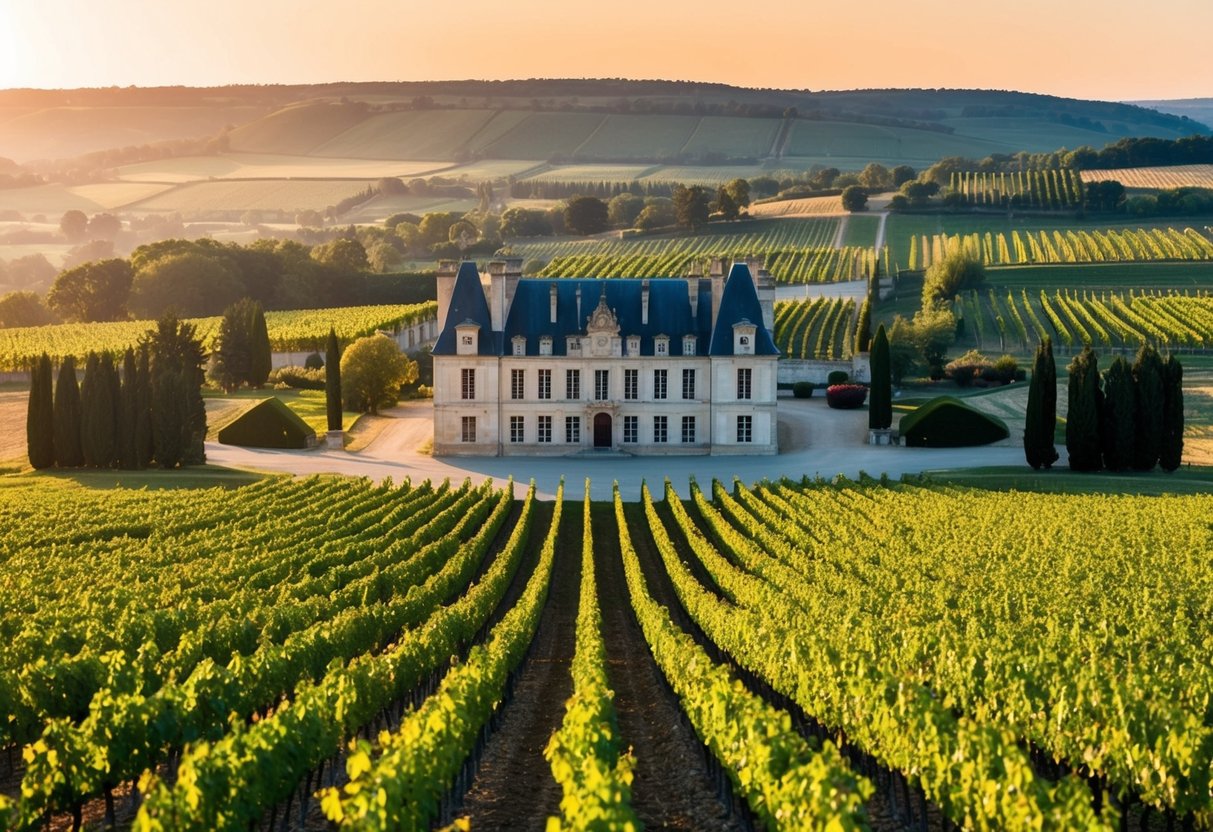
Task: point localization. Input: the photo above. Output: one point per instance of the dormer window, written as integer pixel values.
(633, 345)
(573, 345)
(467, 338)
(519, 344)
(688, 345)
(661, 345)
(545, 345)
(744, 333)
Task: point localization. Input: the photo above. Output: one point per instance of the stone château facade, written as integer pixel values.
(559, 366)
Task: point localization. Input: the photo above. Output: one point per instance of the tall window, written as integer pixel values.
(572, 384)
(745, 386)
(468, 433)
(688, 384)
(631, 428)
(517, 427)
(545, 429)
(688, 429)
(631, 384)
(517, 384)
(572, 429)
(745, 428)
(659, 384)
(468, 387)
(602, 384)
(545, 384)
(661, 429)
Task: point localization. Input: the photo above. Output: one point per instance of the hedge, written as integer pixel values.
(268, 424)
(946, 422)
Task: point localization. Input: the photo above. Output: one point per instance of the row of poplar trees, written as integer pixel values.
(1130, 417)
(149, 413)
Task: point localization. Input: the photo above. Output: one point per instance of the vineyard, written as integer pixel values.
(1125, 245)
(174, 661)
(795, 251)
(821, 329)
(1176, 176)
(1044, 189)
(1011, 320)
(290, 331)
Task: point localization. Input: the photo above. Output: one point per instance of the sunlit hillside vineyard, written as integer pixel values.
(1109, 245)
(1176, 176)
(1043, 189)
(822, 328)
(289, 331)
(357, 653)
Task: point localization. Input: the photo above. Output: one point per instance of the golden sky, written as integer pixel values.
(1112, 49)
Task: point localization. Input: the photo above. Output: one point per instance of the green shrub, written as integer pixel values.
(268, 424)
(846, 396)
(838, 377)
(802, 390)
(299, 378)
(946, 422)
(315, 361)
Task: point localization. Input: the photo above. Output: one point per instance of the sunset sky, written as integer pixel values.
(1081, 48)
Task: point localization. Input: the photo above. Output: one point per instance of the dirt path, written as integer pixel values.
(514, 788)
(884, 218)
(12, 438)
(672, 788)
(841, 233)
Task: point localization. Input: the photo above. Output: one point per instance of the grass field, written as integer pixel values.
(268, 166)
(412, 134)
(1175, 176)
(380, 208)
(299, 129)
(257, 195)
(733, 137)
(541, 136)
(851, 146)
(54, 200)
(490, 169)
(639, 137)
(861, 230)
(592, 173)
(715, 174)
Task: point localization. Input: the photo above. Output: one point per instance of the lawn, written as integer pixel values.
(1189, 479)
(199, 476)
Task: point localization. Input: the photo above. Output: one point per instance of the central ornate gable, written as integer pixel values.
(602, 328)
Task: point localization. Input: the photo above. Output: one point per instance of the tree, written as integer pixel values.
(97, 427)
(1172, 450)
(261, 358)
(854, 198)
(658, 213)
(875, 177)
(902, 174)
(524, 222)
(586, 215)
(24, 309)
(1119, 416)
(92, 292)
(68, 451)
(918, 192)
(145, 447)
(74, 225)
(1041, 415)
(104, 227)
(128, 412)
(880, 401)
(332, 381)
(1147, 378)
(435, 226)
(724, 204)
(690, 206)
(372, 371)
(189, 283)
(342, 254)
(463, 234)
(957, 272)
(623, 209)
(1083, 415)
(739, 191)
(40, 416)
(231, 356)
(933, 330)
(863, 328)
(178, 411)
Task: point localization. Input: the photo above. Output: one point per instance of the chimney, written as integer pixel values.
(717, 275)
(552, 297)
(579, 323)
(497, 294)
(693, 294)
(513, 273)
(644, 302)
(446, 287)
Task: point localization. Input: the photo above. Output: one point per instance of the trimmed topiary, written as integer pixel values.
(946, 422)
(802, 390)
(268, 424)
(846, 396)
(838, 377)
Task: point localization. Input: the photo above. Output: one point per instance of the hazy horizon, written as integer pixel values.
(1086, 50)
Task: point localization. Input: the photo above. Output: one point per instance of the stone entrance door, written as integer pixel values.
(602, 430)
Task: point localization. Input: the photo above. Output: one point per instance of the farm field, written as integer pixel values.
(380, 207)
(332, 649)
(822, 329)
(716, 175)
(266, 166)
(54, 200)
(797, 207)
(287, 195)
(289, 331)
(413, 134)
(860, 230)
(1176, 176)
(592, 173)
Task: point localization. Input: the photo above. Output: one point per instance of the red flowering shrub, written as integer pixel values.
(846, 396)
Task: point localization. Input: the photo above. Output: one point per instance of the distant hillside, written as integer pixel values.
(1197, 109)
(569, 120)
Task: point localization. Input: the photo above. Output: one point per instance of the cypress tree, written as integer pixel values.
(1147, 377)
(68, 451)
(260, 356)
(128, 412)
(177, 376)
(1082, 421)
(1172, 450)
(332, 381)
(1041, 416)
(231, 359)
(1119, 416)
(115, 393)
(169, 418)
(40, 416)
(863, 330)
(144, 446)
(880, 404)
(97, 408)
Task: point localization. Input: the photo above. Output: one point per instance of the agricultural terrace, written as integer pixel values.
(822, 328)
(320, 668)
(1159, 178)
(289, 331)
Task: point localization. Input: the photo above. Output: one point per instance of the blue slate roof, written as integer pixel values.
(468, 304)
(740, 303)
(669, 311)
